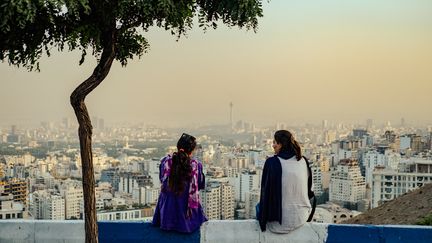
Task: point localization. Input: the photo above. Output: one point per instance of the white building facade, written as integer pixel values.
(347, 185)
(73, 200)
(48, 206)
(218, 200)
(389, 184)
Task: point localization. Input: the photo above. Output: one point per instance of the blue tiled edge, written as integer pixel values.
(353, 234)
(379, 234)
(407, 234)
(141, 232)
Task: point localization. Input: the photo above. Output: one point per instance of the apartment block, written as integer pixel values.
(388, 184)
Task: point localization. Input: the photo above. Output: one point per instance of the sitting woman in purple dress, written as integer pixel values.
(181, 177)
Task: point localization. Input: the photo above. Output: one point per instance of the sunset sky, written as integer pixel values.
(309, 61)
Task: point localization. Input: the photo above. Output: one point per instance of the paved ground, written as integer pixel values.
(406, 209)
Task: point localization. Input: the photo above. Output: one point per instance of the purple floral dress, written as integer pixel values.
(182, 213)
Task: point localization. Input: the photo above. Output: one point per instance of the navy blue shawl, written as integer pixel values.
(270, 206)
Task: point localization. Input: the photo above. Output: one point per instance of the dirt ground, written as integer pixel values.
(407, 209)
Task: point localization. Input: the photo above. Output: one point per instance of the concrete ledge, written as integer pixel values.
(16, 231)
(308, 233)
(58, 231)
(227, 231)
(230, 231)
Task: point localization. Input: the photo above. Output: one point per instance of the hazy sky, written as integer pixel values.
(309, 60)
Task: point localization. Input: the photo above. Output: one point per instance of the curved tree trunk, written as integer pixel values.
(85, 135)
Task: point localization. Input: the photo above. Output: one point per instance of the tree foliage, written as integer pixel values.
(30, 28)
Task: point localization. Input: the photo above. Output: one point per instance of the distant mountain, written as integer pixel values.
(408, 209)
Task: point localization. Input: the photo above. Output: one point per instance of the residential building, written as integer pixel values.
(48, 205)
(347, 185)
(388, 184)
(218, 200)
(9, 209)
(73, 200)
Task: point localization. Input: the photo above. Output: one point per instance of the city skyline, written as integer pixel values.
(308, 62)
(43, 165)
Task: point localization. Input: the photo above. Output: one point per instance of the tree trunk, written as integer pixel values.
(85, 135)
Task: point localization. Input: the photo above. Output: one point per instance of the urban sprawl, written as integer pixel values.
(355, 167)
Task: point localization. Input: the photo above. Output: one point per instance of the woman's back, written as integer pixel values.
(295, 202)
(179, 211)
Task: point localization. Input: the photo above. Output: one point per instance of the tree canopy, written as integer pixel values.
(30, 28)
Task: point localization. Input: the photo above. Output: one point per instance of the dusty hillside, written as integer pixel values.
(407, 209)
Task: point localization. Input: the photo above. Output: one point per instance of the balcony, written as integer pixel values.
(43, 231)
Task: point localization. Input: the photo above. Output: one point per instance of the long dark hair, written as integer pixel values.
(181, 168)
(289, 144)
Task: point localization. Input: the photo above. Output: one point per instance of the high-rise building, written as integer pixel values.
(256, 158)
(146, 195)
(248, 181)
(352, 143)
(227, 207)
(13, 137)
(112, 176)
(73, 198)
(238, 162)
(329, 136)
(359, 133)
(392, 159)
(129, 181)
(218, 200)
(405, 142)
(153, 170)
(347, 154)
(211, 200)
(390, 136)
(2, 170)
(416, 143)
(347, 185)
(371, 159)
(152, 195)
(230, 171)
(412, 141)
(317, 179)
(16, 187)
(429, 145)
(47, 205)
(252, 199)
